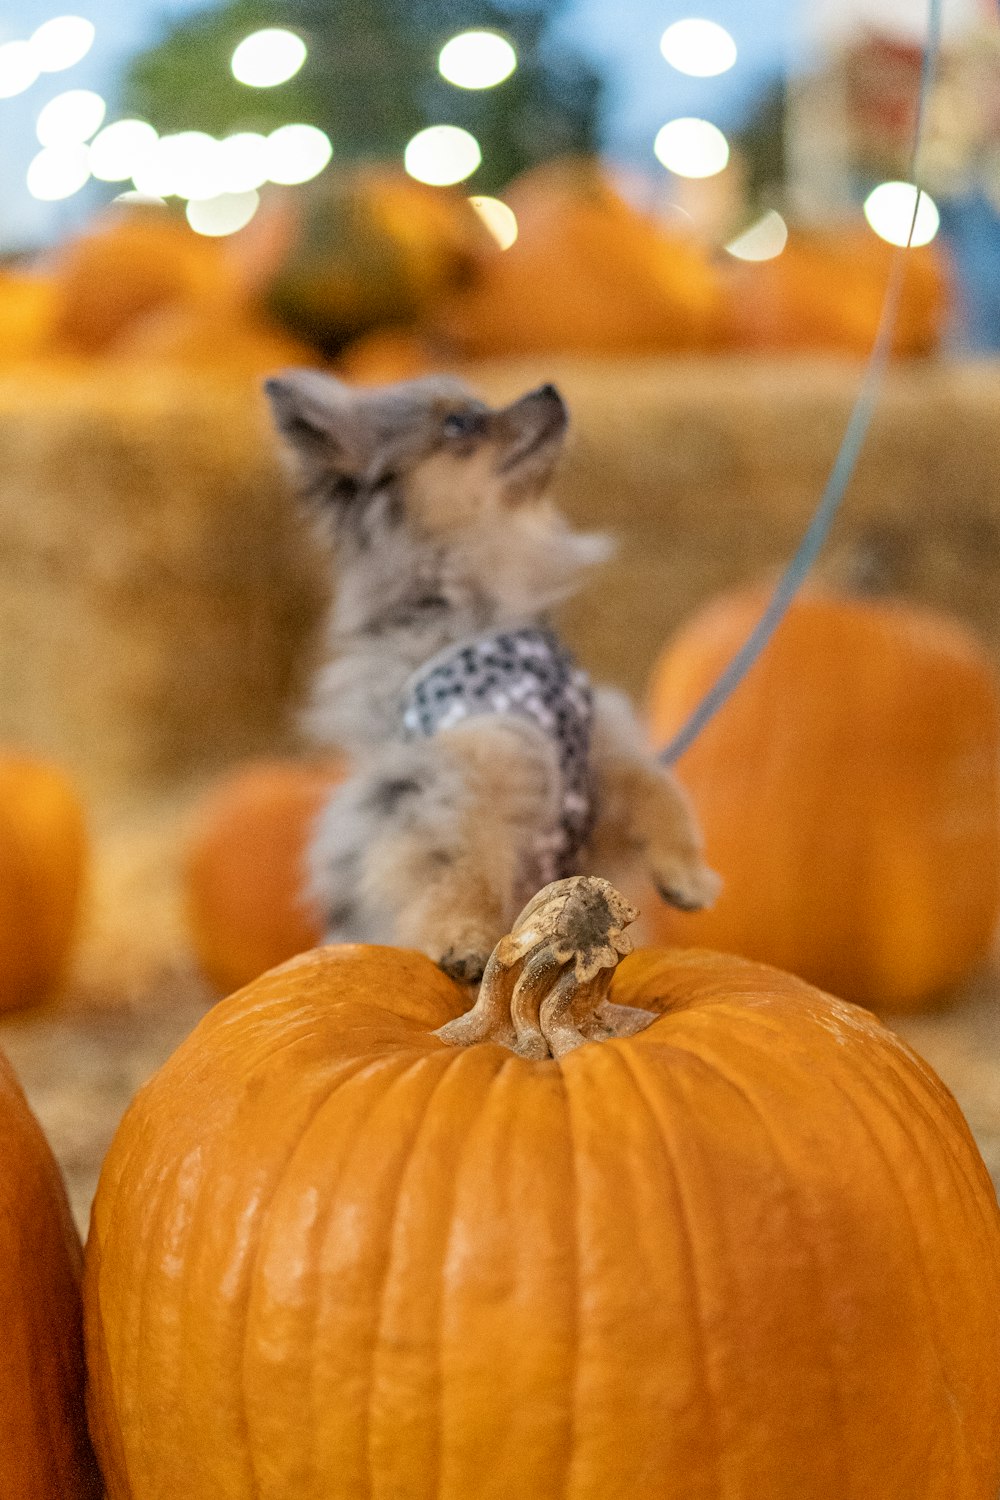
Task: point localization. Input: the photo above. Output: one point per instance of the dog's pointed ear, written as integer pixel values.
(319, 418)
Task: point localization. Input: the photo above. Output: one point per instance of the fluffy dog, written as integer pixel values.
(485, 765)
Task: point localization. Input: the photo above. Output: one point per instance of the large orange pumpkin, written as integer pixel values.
(826, 291)
(44, 1450)
(588, 274)
(246, 869)
(849, 794)
(43, 849)
(748, 1250)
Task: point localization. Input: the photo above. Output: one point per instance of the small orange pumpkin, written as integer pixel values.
(587, 274)
(43, 847)
(44, 1450)
(246, 873)
(750, 1249)
(849, 794)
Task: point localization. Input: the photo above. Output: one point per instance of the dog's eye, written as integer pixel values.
(461, 424)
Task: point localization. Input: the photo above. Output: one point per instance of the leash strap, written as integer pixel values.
(847, 457)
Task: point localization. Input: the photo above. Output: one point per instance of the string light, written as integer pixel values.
(442, 155)
(762, 241)
(71, 117)
(889, 211)
(225, 214)
(499, 218)
(267, 58)
(118, 150)
(702, 49)
(243, 162)
(61, 43)
(58, 172)
(18, 68)
(296, 153)
(477, 60)
(689, 147)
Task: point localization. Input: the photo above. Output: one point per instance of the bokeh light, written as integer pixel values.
(477, 60)
(71, 118)
(192, 164)
(297, 153)
(762, 241)
(689, 147)
(242, 162)
(703, 49)
(61, 43)
(18, 68)
(268, 58)
(442, 155)
(499, 218)
(139, 200)
(225, 214)
(889, 211)
(59, 172)
(118, 150)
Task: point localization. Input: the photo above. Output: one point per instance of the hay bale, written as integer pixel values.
(156, 586)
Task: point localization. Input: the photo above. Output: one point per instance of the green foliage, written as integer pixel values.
(371, 79)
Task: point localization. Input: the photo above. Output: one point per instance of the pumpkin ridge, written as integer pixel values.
(262, 1243)
(576, 1240)
(631, 1064)
(378, 1321)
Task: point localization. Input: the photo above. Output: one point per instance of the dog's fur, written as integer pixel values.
(437, 509)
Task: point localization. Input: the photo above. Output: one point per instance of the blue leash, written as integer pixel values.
(847, 458)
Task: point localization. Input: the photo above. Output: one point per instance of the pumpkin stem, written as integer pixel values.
(545, 988)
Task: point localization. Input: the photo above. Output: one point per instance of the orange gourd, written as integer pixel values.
(825, 291)
(588, 274)
(849, 793)
(246, 873)
(748, 1250)
(43, 847)
(44, 1450)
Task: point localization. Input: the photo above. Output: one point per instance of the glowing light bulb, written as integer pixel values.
(119, 149)
(499, 218)
(58, 172)
(762, 241)
(477, 60)
(442, 155)
(18, 68)
(889, 211)
(61, 43)
(297, 153)
(243, 162)
(268, 58)
(691, 148)
(699, 48)
(71, 118)
(225, 214)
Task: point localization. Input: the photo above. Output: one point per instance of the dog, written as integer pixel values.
(485, 765)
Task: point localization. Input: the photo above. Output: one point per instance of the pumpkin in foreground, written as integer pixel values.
(741, 1242)
(44, 1450)
(246, 868)
(849, 793)
(43, 847)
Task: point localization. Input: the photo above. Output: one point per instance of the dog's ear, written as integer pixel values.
(320, 419)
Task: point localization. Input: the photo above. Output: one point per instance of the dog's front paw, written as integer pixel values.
(462, 966)
(689, 887)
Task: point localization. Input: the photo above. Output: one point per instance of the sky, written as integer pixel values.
(622, 35)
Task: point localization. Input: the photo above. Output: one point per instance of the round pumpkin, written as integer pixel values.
(587, 274)
(230, 342)
(826, 291)
(44, 1450)
(130, 263)
(849, 794)
(43, 846)
(246, 869)
(348, 1242)
(356, 250)
(385, 357)
(26, 316)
